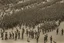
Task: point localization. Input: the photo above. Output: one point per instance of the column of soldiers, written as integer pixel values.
(57, 31)
(16, 34)
(20, 34)
(11, 35)
(30, 33)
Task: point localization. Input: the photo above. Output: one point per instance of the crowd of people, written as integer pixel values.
(19, 34)
(10, 9)
(30, 32)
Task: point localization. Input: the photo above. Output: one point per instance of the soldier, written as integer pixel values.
(18, 34)
(57, 31)
(38, 29)
(10, 35)
(6, 36)
(51, 39)
(37, 38)
(23, 33)
(2, 34)
(45, 38)
(35, 33)
(31, 34)
(27, 32)
(62, 31)
(15, 35)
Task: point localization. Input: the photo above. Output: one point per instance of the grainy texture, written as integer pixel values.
(32, 21)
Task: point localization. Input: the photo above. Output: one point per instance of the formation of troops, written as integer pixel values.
(29, 32)
(16, 34)
(20, 33)
(33, 33)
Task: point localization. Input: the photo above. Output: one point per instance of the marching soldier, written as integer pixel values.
(6, 36)
(57, 31)
(10, 35)
(35, 33)
(62, 31)
(19, 35)
(37, 38)
(15, 35)
(45, 38)
(51, 39)
(23, 33)
(27, 32)
(2, 34)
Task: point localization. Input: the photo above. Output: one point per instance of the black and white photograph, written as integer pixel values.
(31, 21)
